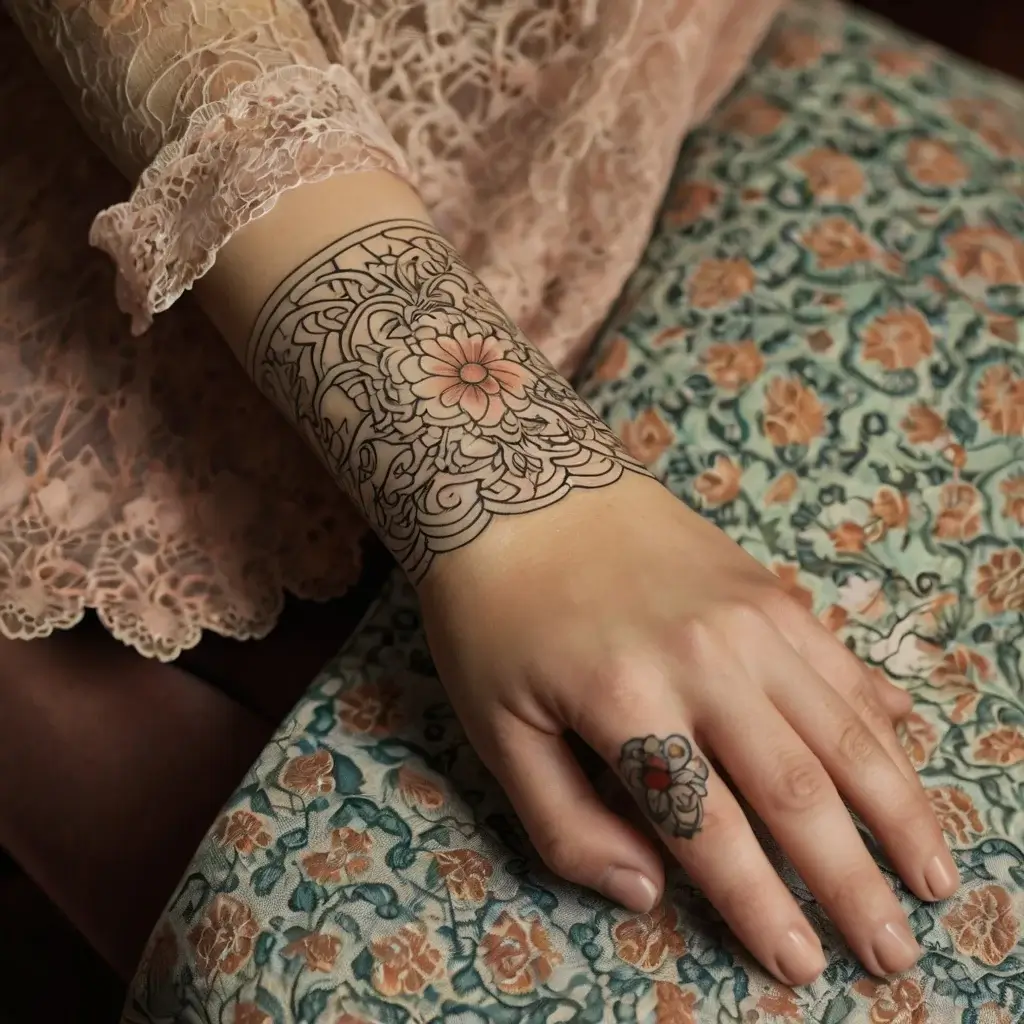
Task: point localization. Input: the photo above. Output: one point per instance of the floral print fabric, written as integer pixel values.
(821, 352)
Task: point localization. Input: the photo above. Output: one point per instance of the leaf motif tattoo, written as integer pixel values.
(426, 403)
(669, 780)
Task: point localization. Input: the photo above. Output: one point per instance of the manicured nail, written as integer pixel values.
(942, 877)
(895, 948)
(631, 889)
(800, 959)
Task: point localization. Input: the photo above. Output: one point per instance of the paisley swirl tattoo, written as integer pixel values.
(669, 780)
(426, 403)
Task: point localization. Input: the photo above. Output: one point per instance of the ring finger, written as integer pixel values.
(706, 830)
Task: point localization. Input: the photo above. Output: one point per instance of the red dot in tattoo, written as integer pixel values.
(656, 774)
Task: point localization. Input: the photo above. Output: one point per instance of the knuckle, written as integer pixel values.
(855, 742)
(800, 784)
(698, 643)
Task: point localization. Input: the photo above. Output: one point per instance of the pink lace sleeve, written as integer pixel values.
(221, 106)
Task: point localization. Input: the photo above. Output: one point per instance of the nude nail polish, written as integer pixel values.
(941, 877)
(630, 888)
(800, 958)
(895, 948)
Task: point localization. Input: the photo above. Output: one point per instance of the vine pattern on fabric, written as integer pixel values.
(424, 400)
(821, 350)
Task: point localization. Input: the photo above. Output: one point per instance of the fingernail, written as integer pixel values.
(800, 960)
(895, 948)
(630, 888)
(941, 877)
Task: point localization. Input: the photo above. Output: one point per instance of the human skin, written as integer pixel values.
(565, 590)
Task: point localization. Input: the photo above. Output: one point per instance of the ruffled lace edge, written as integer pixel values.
(236, 157)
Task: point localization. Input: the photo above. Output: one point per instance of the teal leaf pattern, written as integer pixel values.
(820, 351)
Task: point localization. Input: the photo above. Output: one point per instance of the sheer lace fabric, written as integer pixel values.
(146, 478)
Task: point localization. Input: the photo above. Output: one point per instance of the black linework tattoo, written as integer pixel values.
(427, 404)
(669, 781)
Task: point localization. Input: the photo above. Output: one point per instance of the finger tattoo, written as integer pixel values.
(669, 780)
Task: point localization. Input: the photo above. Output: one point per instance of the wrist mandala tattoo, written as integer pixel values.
(427, 404)
(669, 781)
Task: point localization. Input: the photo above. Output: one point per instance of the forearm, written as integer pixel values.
(427, 405)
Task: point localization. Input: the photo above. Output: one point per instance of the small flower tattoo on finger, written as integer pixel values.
(669, 780)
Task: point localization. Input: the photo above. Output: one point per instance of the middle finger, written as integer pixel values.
(790, 790)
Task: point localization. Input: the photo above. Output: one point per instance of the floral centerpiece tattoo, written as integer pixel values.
(669, 780)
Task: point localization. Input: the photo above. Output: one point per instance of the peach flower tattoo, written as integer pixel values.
(426, 403)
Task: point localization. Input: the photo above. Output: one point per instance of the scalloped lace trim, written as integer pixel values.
(285, 128)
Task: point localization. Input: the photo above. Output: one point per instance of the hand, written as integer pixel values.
(622, 616)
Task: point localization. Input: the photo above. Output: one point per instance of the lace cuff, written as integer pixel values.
(286, 128)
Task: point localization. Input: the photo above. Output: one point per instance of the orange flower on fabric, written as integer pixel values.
(244, 831)
(675, 1005)
(346, 858)
(832, 176)
(991, 122)
(371, 708)
(1001, 401)
(956, 813)
(250, 1013)
(731, 365)
(223, 939)
(465, 873)
(794, 49)
(993, 1013)
(405, 962)
(1013, 490)
(923, 425)
(1003, 746)
(877, 109)
(894, 1002)
(792, 413)
(900, 62)
(789, 579)
(1001, 581)
(983, 924)
(992, 255)
(780, 1003)
(958, 676)
(891, 507)
(518, 954)
(690, 202)
(933, 162)
(782, 489)
(309, 774)
(837, 243)
(319, 951)
(645, 940)
(959, 515)
(899, 339)
(466, 374)
(720, 484)
(419, 791)
(719, 282)
(614, 361)
(754, 116)
(647, 437)
(919, 739)
(848, 537)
